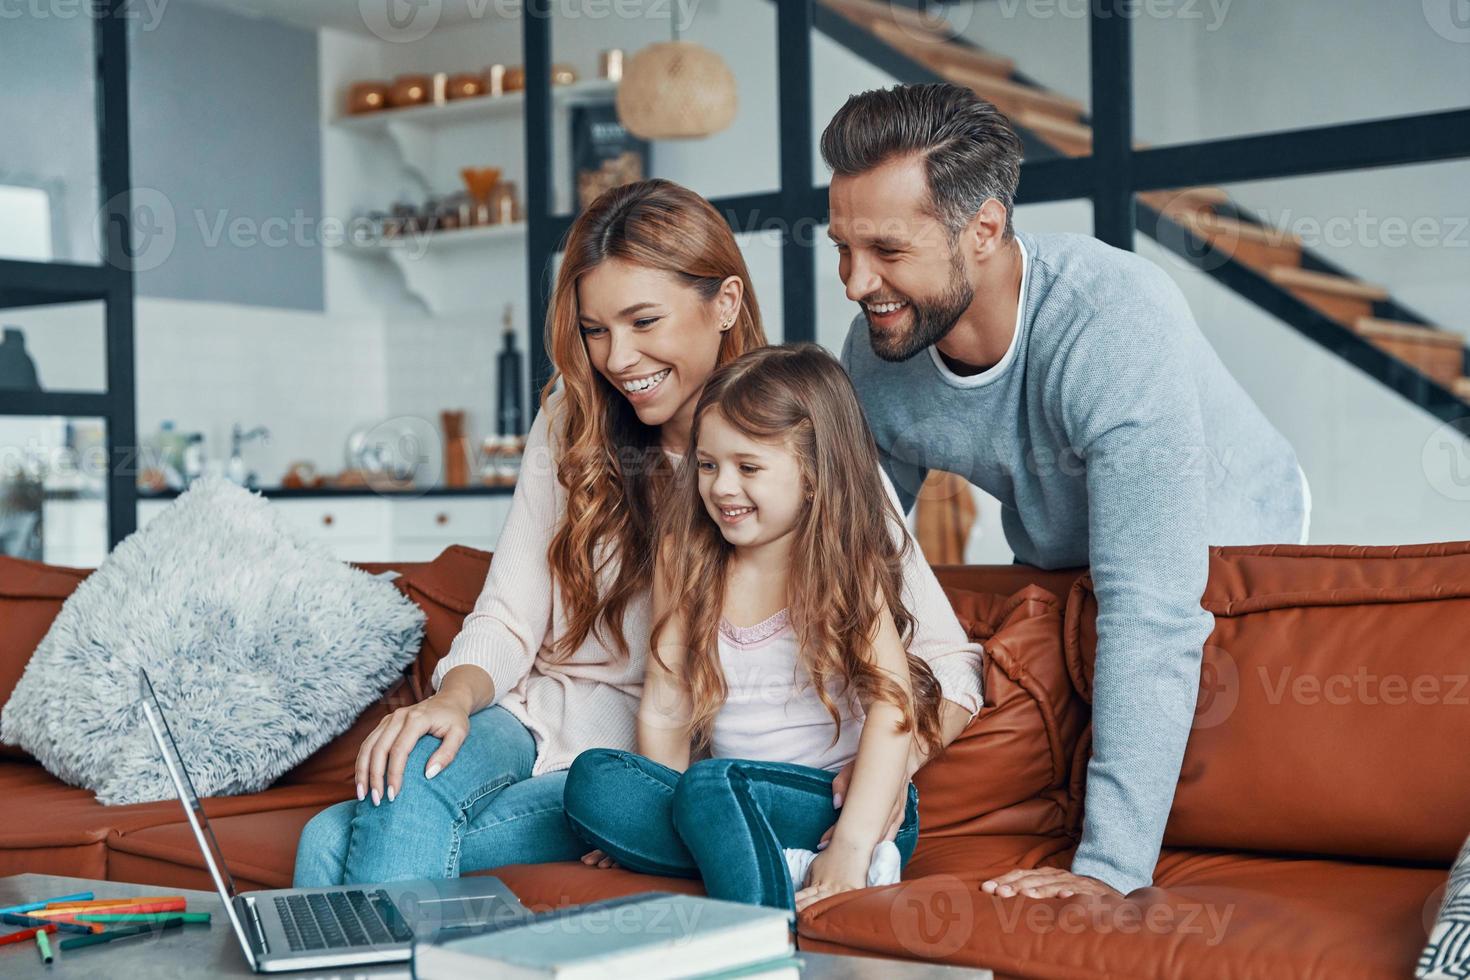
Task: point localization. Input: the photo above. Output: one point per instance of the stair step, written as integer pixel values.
(1328, 283)
(1070, 138)
(940, 55)
(1410, 332)
(1437, 353)
(869, 13)
(1170, 202)
(1345, 300)
(1013, 98)
(1257, 246)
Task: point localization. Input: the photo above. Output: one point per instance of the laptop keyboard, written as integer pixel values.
(332, 920)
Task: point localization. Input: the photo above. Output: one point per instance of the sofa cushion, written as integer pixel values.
(53, 828)
(445, 589)
(259, 846)
(31, 594)
(1209, 915)
(1009, 770)
(1333, 686)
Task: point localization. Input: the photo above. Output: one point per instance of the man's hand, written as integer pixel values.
(840, 868)
(1045, 883)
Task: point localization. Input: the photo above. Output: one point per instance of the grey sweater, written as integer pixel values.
(1113, 437)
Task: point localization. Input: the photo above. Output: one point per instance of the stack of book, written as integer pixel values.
(653, 936)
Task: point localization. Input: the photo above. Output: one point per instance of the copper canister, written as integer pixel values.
(367, 97)
(410, 90)
(466, 85)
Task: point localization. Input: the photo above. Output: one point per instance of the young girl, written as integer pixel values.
(778, 650)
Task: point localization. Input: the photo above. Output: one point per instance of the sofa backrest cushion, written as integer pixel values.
(1334, 707)
(1009, 771)
(446, 589)
(31, 594)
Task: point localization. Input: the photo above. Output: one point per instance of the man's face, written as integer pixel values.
(896, 260)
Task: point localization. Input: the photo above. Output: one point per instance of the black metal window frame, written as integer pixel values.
(1109, 178)
(24, 283)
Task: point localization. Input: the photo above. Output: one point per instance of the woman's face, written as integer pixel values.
(654, 338)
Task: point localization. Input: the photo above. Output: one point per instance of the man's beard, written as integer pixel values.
(931, 319)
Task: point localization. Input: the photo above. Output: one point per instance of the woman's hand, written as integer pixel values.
(384, 753)
(598, 859)
(840, 868)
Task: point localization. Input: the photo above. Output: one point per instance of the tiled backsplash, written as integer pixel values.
(309, 378)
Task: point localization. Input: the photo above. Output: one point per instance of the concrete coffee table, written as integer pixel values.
(212, 950)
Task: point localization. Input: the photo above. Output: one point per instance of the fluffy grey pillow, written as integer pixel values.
(262, 647)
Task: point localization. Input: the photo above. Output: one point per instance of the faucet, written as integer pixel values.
(236, 470)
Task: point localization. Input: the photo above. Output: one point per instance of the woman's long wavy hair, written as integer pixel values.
(610, 463)
(843, 554)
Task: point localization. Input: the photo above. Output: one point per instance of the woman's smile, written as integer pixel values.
(643, 388)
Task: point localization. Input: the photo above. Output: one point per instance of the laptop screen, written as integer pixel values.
(175, 762)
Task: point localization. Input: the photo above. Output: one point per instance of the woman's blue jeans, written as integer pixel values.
(484, 810)
(725, 820)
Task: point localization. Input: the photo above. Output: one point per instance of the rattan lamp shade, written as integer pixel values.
(676, 90)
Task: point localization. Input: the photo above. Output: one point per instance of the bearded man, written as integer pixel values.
(1067, 379)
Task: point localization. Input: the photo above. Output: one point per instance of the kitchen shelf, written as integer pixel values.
(514, 233)
(477, 107)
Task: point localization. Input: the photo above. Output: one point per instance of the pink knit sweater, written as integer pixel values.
(590, 699)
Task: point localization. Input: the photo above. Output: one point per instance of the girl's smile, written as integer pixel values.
(734, 515)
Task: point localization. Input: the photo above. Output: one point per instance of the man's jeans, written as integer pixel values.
(482, 811)
(726, 820)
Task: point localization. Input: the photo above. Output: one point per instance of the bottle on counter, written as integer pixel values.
(170, 448)
(511, 410)
(193, 457)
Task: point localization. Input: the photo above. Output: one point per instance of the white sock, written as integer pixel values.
(882, 870)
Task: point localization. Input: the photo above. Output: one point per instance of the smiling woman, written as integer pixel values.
(653, 294)
(652, 297)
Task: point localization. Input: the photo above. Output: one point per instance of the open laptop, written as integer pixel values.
(350, 925)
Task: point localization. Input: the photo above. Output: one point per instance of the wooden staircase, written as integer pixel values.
(1362, 309)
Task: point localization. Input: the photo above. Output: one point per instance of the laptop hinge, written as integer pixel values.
(255, 923)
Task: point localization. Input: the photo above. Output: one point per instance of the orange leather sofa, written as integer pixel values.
(1322, 800)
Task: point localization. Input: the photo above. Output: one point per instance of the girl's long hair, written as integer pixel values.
(610, 463)
(843, 554)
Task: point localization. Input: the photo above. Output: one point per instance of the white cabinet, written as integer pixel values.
(422, 528)
(373, 528)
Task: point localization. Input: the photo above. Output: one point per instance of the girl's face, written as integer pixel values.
(752, 488)
(654, 338)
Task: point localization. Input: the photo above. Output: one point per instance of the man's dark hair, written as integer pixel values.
(970, 151)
